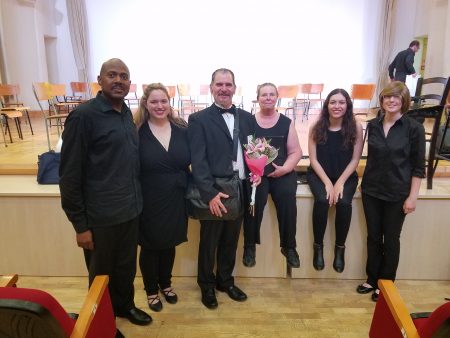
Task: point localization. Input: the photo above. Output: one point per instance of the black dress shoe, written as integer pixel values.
(249, 256)
(364, 289)
(234, 292)
(170, 296)
(339, 261)
(136, 316)
(375, 295)
(209, 298)
(318, 262)
(292, 258)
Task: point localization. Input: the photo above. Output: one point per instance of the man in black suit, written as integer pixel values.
(210, 134)
(404, 63)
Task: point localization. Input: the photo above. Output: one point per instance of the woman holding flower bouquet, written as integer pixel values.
(279, 179)
(165, 159)
(335, 146)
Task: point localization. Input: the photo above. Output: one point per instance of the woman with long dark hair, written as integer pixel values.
(335, 145)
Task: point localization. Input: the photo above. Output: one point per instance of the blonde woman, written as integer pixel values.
(164, 158)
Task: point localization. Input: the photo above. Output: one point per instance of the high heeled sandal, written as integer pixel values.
(154, 303)
(170, 296)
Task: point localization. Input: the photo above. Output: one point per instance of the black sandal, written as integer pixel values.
(154, 303)
(170, 296)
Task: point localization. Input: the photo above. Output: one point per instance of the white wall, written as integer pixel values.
(285, 42)
(428, 18)
(23, 29)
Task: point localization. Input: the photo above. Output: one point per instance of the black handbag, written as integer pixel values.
(232, 186)
(48, 168)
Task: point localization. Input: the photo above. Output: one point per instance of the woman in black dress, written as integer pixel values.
(335, 144)
(165, 159)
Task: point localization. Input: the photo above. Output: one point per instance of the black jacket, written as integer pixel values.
(99, 171)
(403, 65)
(212, 147)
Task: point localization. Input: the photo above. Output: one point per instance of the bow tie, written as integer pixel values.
(231, 110)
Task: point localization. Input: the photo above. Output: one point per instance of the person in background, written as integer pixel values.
(335, 145)
(280, 179)
(165, 158)
(210, 133)
(100, 189)
(391, 181)
(403, 63)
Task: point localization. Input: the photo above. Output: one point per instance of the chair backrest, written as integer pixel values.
(44, 316)
(133, 90)
(172, 90)
(434, 88)
(58, 90)
(316, 88)
(80, 89)
(95, 88)
(40, 315)
(287, 93)
(238, 98)
(9, 94)
(8, 280)
(184, 90)
(391, 316)
(437, 324)
(363, 92)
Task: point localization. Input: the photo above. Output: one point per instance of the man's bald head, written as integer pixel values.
(115, 62)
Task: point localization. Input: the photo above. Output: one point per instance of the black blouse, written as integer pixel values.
(393, 159)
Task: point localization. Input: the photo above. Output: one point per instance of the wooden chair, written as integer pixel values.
(172, 90)
(391, 318)
(94, 88)
(302, 101)
(435, 91)
(132, 98)
(238, 98)
(80, 91)
(43, 93)
(287, 95)
(315, 94)
(8, 280)
(13, 109)
(363, 92)
(35, 313)
(204, 98)
(61, 101)
(186, 104)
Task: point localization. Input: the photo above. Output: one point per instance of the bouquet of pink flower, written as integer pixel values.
(258, 153)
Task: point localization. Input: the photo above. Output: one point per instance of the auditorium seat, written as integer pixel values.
(392, 319)
(31, 313)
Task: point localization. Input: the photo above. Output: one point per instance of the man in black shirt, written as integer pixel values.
(404, 63)
(100, 190)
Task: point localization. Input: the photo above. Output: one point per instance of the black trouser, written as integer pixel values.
(384, 224)
(283, 191)
(400, 76)
(217, 238)
(114, 254)
(156, 267)
(321, 206)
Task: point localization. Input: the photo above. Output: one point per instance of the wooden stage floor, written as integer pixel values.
(20, 157)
